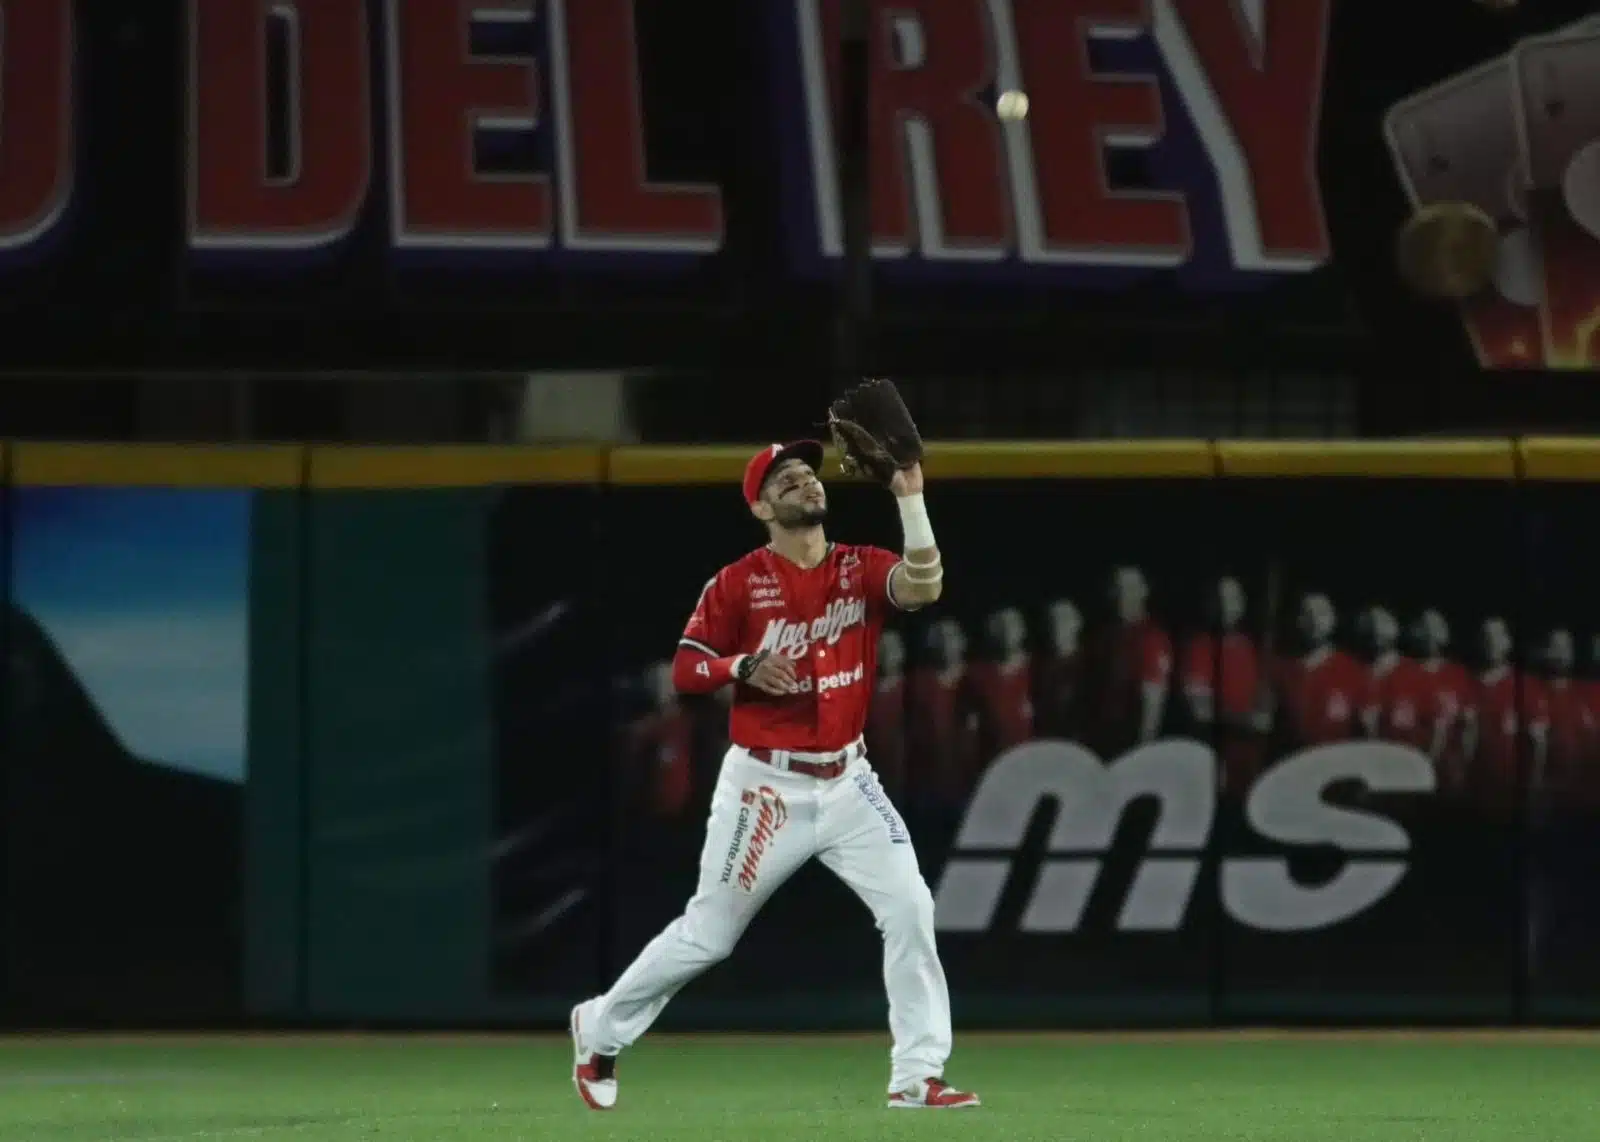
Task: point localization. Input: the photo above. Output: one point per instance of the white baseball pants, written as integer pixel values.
(764, 824)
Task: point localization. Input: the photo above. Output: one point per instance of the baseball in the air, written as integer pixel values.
(1012, 105)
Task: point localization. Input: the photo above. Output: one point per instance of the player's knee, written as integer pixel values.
(710, 942)
(910, 914)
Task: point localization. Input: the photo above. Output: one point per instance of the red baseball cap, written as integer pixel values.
(763, 462)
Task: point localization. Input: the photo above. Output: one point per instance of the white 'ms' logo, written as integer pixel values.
(1285, 806)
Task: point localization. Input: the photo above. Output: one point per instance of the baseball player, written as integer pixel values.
(1002, 687)
(1446, 689)
(886, 712)
(662, 744)
(1323, 688)
(1571, 724)
(1497, 721)
(1132, 667)
(793, 627)
(1057, 703)
(942, 728)
(1389, 709)
(1222, 685)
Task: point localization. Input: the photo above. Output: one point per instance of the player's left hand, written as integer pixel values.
(906, 481)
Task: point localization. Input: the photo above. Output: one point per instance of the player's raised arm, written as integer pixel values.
(918, 579)
(875, 435)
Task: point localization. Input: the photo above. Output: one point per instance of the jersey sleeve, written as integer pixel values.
(878, 565)
(713, 628)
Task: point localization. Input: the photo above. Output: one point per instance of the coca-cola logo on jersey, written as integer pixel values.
(794, 639)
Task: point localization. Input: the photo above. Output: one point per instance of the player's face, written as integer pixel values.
(1496, 642)
(795, 496)
(1065, 625)
(1560, 652)
(1008, 630)
(1128, 593)
(1316, 621)
(1230, 603)
(951, 642)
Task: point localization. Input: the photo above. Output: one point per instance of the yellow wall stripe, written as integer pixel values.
(452, 466)
(1424, 459)
(1108, 459)
(707, 464)
(283, 466)
(953, 460)
(1560, 458)
(157, 465)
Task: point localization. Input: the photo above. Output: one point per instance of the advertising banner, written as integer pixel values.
(127, 642)
(1198, 733)
(1373, 748)
(1562, 922)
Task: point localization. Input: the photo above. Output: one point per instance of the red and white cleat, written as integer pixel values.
(932, 1094)
(595, 1076)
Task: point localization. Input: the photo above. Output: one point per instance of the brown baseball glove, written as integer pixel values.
(874, 432)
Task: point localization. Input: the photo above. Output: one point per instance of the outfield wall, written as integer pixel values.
(365, 735)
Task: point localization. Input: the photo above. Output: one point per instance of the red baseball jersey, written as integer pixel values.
(1057, 703)
(663, 745)
(825, 619)
(1321, 698)
(939, 728)
(886, 729)
(1399, 700)
(1500, 724)
(1128, 657)
(1449, 691)
(1587, 778)
(1228, 670)
(1003, 694)
(1571, 730)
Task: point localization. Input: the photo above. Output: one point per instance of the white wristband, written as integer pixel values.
(914, 523)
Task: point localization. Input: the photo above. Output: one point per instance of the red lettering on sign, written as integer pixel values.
(235, 199)
(440, 95)
(937, 163)
(1074, 115)
(36, 119)
(1254, 90)
(607, 199)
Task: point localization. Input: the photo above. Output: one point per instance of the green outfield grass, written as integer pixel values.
(706, 1089)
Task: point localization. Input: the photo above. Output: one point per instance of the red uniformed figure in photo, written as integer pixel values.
(941, 721)
(1130, 669)
(1496, 724)
(886, 713)
(1559, 771)
(1443, 692)
(1058, 675)
(1002, 687)
(1391, 709)
(1320, 691)
(661, 744)
(1221, 679)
